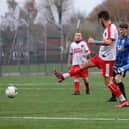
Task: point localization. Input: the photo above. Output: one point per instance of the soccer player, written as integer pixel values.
(78, 52)
(122, 60)
(104, 60)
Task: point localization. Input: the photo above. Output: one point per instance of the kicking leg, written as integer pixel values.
(61, 77)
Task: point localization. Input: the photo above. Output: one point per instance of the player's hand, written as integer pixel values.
(84, 55)
(120, 70)
(90, 40)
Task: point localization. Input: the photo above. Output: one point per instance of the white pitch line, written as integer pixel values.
(34, 88)
(43, 88)
(66, 118)
(26, 84)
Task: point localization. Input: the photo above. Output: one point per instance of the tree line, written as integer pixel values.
(23, 30)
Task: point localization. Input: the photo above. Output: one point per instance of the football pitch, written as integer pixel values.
(42, 103)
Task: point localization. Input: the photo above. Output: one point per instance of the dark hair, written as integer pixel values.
(104, 14)
(123, 25)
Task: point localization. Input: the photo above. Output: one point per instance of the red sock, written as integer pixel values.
(87, 85)
(74, 71)
(77, 83)
(115, 90)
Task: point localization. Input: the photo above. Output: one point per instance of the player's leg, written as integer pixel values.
(84, 75)
(116, 91)
(118, 80)
(86, 82)
(76, 84)
(73, 71)
(113, 88)
(81, 67)
(107, 69)
(113, 97)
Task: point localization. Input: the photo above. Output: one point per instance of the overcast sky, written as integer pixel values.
(84, 6)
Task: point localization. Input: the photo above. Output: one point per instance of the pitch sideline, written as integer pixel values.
(64, 118)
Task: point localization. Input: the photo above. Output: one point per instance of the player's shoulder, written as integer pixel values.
(74, 42)
(83, 41)
(113, 26)
(127, 39)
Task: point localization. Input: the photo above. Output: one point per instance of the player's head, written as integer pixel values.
(103, 16)
(78, 36)
(123, 29)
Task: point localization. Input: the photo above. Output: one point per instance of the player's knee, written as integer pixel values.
(108, 80)
(118, 79)
(76, 79)
(85, 79)
(82, 65)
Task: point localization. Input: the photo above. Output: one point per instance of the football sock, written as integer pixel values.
(113, 96)
(122, 98)
(122, 88)
(114, 89)
(87, 85)
(77, 83)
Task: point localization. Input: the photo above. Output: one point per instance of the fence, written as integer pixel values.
(32, 63)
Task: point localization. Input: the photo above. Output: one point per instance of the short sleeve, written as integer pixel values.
(111, 31)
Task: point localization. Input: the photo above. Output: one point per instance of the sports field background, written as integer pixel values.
(43, 69)
(42, 103)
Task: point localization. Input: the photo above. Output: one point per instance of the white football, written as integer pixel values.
(11, 91)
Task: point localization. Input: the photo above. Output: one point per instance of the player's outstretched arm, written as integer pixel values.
(97, 42)
(123, 68)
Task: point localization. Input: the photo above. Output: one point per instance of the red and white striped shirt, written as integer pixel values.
(77, 50)
(108, 53)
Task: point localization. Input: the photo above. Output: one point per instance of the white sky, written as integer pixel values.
(84, 6)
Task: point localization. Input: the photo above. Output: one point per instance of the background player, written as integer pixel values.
(78, 52)
(122, 59)
(104, 60)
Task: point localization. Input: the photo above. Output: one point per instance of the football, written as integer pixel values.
(11, 91)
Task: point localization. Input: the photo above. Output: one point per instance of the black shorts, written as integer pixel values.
(115, 72)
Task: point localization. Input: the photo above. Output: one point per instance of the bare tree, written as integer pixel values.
(77, 16)
(55, 14)
(31, 13)
(118, 10)
(56, 10)
(9, 28)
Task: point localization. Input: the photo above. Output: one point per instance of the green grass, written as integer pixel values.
(42, 98)
(35, 68)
